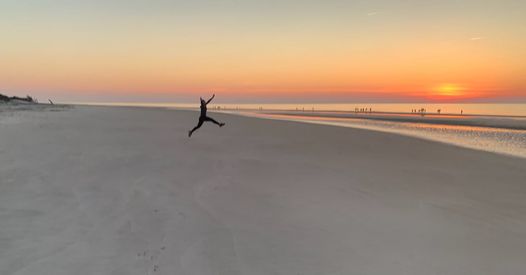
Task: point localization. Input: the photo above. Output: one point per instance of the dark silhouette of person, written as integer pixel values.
(203, 117)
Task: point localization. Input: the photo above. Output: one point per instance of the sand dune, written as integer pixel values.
(107, 190)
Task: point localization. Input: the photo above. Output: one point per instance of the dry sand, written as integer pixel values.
(107, 190)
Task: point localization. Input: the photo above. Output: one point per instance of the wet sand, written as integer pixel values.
(504, 122)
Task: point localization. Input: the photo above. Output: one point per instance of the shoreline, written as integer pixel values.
(269, 107)
(410, 125)
(515, 122)
(490, 121)
(483, 133)
(498, 140)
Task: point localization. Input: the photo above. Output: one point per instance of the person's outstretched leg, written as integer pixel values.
(221, 124)
(196, 127)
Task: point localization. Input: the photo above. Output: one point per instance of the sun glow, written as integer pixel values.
(449, 90)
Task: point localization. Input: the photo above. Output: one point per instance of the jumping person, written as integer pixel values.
(203, 117)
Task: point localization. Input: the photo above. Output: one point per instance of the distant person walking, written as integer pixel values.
(203, 117)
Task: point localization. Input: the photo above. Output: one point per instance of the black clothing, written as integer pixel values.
(203, 117)
(203, 110)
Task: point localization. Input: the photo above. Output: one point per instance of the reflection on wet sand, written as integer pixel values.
(492, 139)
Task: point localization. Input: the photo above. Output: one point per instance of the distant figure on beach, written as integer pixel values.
(203, 117)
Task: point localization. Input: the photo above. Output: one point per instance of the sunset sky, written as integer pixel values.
(247, 50)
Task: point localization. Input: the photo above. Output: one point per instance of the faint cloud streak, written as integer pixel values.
(373, 13)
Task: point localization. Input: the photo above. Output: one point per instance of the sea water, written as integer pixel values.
(509, 109)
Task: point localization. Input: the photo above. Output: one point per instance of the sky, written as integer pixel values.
(264, 51)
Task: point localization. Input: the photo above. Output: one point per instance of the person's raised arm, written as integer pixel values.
(211, 98)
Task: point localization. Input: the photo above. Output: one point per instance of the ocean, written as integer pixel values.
(491, 109)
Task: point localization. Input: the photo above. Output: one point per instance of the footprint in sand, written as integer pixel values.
(151, 258)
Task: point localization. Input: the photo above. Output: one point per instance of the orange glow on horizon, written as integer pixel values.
(452, 92)
(342, 53)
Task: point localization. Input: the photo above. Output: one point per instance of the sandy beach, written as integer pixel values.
(123, 190)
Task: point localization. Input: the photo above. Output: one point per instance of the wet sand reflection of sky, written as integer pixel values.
(498, 140)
